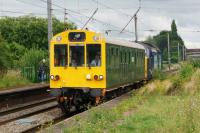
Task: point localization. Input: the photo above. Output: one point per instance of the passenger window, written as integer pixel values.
(124, 56)
(77, 55)
(116, 51)
(112, 51)
(133, 57)
(121, 58)
(93, 55)
(60, 55)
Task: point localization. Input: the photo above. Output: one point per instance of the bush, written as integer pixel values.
(32, 58)
(186, 71)
(5, 58)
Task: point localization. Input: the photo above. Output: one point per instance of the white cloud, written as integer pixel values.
(155, 14)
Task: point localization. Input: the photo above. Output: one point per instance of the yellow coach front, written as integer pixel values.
(72, 60)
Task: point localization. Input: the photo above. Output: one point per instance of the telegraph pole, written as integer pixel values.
(178, 52)
(136, 34)
(135, 20)
(49, 14)
(169, 58)
(183, 53)
(65, 15)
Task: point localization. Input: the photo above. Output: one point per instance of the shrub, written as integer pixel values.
(5, 58)
(32, 58)
(186, 71)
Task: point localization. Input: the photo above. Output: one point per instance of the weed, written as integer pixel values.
(12, 79)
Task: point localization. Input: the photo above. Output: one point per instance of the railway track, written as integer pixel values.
(32, 117)
(15, 97)
(29, 116)
(26, 110)
(171, 72)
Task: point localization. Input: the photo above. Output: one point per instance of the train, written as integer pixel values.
(85, 66)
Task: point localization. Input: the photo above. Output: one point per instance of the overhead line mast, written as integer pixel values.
(135, 18)
(90, 18)
(49, 15)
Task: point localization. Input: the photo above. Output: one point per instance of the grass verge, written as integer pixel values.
(12, 79)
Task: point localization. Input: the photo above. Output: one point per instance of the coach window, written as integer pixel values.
(60, 55)
(76, 55)
(129, 57)
(93, 55)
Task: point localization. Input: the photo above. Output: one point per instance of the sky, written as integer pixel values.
(113, 15)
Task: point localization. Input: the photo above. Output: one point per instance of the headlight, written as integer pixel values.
(100, 77)
(52, 77)
(88, 77)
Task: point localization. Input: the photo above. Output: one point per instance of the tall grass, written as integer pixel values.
(159, 75)
(195, 63)
(12, 79)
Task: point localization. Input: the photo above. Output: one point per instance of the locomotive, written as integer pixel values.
(85, 66)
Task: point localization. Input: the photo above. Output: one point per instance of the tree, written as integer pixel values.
(174, 30)
(5, 58)
(161, 41)
(31, 32)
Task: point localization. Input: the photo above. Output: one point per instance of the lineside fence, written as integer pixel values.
(35, 75)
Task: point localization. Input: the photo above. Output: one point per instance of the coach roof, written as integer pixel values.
(125, 43)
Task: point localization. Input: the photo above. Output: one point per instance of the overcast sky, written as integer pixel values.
(114, 14)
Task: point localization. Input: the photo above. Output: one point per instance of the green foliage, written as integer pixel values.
(31, 32)
(195, 63)
(158, 75)
(186, 72)
(12, 79)
(32, 58)
(5, 58)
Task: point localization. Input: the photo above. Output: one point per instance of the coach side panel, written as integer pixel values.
(123, 65)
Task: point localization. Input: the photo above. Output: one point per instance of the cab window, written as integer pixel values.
(93, 55)
(77, 37)
(60, 55)
(77, 55)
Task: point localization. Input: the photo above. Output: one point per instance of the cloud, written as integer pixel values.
(155, 14)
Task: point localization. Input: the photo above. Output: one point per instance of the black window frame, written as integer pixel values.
(66, 55)
(100, 52)
(72, 40)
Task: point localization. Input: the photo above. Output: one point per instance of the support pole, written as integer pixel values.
(169, 58)
(49, 13)
(178, 52)
(65, 15)
(183, 52)
(136, 34)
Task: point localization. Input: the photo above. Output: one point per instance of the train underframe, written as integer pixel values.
(70, 99)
